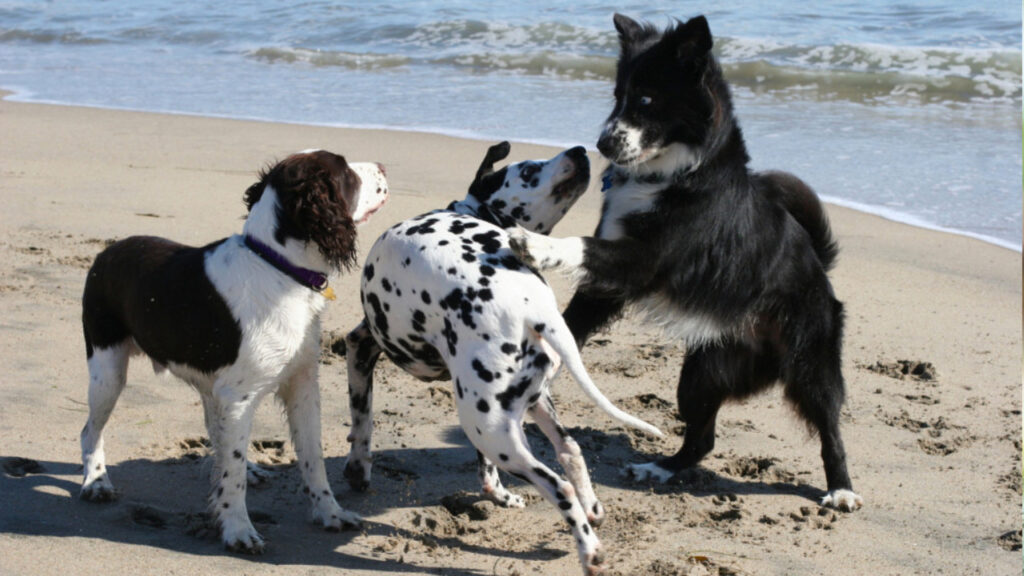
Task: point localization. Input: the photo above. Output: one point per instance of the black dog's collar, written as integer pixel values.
(316, 281)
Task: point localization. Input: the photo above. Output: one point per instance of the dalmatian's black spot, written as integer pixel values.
(386, 284)
(461, 303)
(513, 392)
(458, 388)
(425, 296)
(509, 348)
(481, 371)
(380, 318)
(541, 361)
(459, 226)
(418, 318)
(368, 271)
(450, 336)
(487, 270)
(425, 228)
(490, 242)
(483, 406)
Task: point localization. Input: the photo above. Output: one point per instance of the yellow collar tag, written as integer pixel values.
(329, 293)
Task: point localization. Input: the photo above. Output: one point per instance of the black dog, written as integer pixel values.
(734, 262)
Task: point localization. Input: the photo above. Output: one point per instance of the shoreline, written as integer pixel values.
(12, 94)
(931, 359)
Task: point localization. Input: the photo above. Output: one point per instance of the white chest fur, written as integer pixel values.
(621, 200)
(277, 315)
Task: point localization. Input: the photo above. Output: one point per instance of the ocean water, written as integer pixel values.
(910, 110)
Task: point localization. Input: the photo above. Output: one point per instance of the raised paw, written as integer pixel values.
(99, 490)
(543, 252)
(845, 500)
(358, 475)
(255, 475)
(519, 243)
(649, 472)
(242, 539)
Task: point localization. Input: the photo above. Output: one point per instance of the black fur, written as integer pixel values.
(745, 252)
(193, 325)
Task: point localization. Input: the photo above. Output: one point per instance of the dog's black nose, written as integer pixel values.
(577, 153)
(606, 145)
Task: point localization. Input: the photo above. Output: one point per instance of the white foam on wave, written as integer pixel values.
(916, 221)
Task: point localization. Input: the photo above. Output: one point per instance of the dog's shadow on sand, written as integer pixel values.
(162, 502)
(608, 452)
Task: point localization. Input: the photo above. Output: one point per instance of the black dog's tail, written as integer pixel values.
(803, 204)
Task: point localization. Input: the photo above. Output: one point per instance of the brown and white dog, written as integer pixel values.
(236, 319)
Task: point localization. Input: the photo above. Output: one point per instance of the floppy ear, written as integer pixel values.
(487, 180)
(629, 30)
(693, 39)
(313, 207)
(494, 154)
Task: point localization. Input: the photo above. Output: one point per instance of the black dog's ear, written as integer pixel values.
(629, 30)
(494, 154)
(693, 39)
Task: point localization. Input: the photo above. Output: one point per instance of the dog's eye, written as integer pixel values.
(645, 100)
(528, 171)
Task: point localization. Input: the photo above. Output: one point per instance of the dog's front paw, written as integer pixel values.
(649, 472)
(99, 489)
(358, 474)
(845, 500)
(241, 537)
(519, 243)
(543, 252)
(334, 518)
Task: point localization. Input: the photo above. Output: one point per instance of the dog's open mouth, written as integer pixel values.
(369, 213)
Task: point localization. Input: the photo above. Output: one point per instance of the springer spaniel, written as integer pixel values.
(236, 319)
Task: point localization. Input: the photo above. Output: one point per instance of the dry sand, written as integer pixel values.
(936, 455)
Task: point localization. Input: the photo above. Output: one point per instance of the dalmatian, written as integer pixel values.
(444, 298)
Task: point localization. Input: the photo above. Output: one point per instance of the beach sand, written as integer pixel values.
(935, 452)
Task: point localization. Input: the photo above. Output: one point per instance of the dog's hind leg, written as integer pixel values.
(569, 456)
(491, 484)
(502, 440)
(301, 397)
(362, 353)
(108, 370)
(817, 390)
(710, 374)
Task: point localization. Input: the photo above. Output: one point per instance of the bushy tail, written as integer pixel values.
(803, 204)
(560, 338)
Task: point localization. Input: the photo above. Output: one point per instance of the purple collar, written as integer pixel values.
(316, 281)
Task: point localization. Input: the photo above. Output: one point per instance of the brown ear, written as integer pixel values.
(313, 207)
(255, 192)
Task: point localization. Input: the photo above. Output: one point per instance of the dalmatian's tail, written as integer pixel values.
(560, 339)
